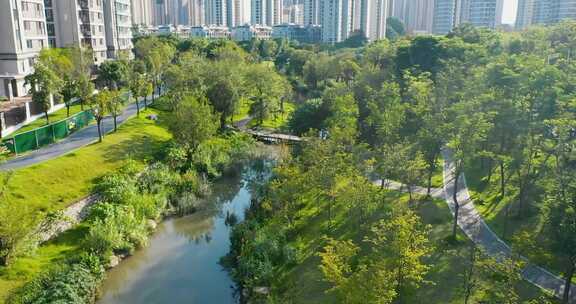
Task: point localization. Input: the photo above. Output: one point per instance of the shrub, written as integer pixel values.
(158, 178)
(191, 182)
(115, 188)
(73, 283)
(119, 230)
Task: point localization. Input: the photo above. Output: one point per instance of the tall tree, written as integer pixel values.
(193, 123)
(100, 108)
(468, 130)
(44, 84)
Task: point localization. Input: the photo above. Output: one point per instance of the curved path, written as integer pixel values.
(77, 140)
(471, 222)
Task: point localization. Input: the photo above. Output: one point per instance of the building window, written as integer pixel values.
(29, 44)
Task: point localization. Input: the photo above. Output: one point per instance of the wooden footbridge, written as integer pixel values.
(275, 138)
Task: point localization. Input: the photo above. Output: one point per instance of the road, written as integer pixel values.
(77, 140)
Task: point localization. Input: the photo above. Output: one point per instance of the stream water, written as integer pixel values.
(181, 262)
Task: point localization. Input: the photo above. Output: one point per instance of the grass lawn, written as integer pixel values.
(48, 255)
(54, 117)
(303, 283)
(242, 110)
(526, 233)
(55, 184)
(276, 121)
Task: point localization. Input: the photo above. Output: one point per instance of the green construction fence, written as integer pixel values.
(34, 139)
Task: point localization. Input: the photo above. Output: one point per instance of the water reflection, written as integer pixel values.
(181, 263)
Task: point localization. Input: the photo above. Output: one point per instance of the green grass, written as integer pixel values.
(56, 183)
(303, 283)
(276, 121)
(525, 233)
(54, 117)
(242, 111)
(49, 255)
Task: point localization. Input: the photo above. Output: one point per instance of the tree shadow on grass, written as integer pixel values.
(137, 146)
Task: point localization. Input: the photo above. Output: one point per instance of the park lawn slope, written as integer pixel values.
(303, 283)
(55, 184)
(49, 255)
(527, 234)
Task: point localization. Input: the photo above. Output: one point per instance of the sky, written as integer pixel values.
(509, 15)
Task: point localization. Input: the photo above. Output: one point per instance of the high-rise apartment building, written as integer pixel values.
(372, 18)
(274, 11)
(142, 12)
(544, 12)
(293, 14)
(336, 20)
(216, 12)
(266, 12)
(481, 13)
(312, 11)
(197, 12)
(23, 35)
(238, 12)
(444, 16)
(451, 13)
(79, 23)
(118, 27)
(417, 15)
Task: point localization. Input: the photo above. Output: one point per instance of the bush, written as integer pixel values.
(74, 283)
(120, 230)
(158, 178)
(191, 182)
(115, 188)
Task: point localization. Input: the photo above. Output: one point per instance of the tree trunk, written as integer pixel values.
(502, 180)
(429, 186)
(137, 107)
(99, 124)
(456, 205)
(67, 110)
(568, 283)
(47, 117)
(115, 123)
(222, 121)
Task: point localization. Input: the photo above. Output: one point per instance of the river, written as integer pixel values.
(181, 262)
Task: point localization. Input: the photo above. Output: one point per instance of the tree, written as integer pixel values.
(115, 106)
(355, 285)
(69, 92)
(44, 84)
(394, 28)
(85, 90)
(193, 123)
(393, 267)
(112, 73)
(467, 132)
(267, 88)
(224, 88)
(402, 242)
(561, 202)
(100, 107)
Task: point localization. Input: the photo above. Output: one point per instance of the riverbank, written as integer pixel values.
(181, 262)
(60, 182)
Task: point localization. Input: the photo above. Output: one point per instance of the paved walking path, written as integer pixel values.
(77, 140)
(471, 222)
